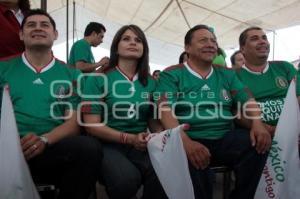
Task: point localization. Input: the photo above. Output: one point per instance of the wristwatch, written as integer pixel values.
(45, 140)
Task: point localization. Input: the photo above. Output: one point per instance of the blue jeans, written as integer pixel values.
(124, 169)
(235, 151)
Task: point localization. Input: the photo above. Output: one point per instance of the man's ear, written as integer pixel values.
(56, 34)
(94, 34)
(242, 49)
(186, 48)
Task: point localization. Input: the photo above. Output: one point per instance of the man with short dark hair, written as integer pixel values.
(81, 55)
(44, 96)
(267, 80)
(203, 95)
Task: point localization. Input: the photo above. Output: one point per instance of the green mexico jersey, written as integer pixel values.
(81, 51)
(269, 87)
(205, 104)
(40, 98)
(123, 104)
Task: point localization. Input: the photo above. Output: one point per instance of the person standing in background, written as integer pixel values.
(220, 58)
(11, 16)
(81, 55)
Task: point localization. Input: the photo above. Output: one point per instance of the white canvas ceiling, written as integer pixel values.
(165, 22)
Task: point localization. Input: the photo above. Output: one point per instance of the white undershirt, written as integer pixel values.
(19, 15)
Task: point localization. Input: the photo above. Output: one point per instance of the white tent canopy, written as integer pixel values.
(165, 22)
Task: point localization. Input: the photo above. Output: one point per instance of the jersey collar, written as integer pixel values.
(256, 73)
(34, 69)
(135, 77)
(196, 74)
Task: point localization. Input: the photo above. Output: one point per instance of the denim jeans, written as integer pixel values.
(124, 169)
(235, 151)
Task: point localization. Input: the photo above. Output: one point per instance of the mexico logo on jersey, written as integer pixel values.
(225, 95)
(61, 92)
(61, 89)
(281, 82)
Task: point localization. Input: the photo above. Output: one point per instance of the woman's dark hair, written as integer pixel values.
(143, 62)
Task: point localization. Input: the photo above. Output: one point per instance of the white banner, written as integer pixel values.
(170, 163)
(15, 178)
(281, 175)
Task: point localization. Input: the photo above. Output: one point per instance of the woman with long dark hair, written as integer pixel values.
(121, 103)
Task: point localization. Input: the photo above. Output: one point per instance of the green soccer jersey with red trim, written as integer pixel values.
(81, 51)
(123, 104)
(269, 87)
(40, 98)
(205, 104)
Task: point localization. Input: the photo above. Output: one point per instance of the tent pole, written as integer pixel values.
(67, 30)
(44, 5)
(274, 35)
(74, 20)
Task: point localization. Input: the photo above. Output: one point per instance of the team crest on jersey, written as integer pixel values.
(61, 92)
(281, 82)
(225, 95)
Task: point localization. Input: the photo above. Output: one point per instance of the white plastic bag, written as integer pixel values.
(170, 163)
(15, 178)
(281, 176)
